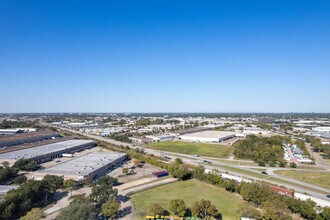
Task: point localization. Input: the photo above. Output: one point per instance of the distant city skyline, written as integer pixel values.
(165, 56)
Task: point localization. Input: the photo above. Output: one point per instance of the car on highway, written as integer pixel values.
(206, 161)
(265, 173)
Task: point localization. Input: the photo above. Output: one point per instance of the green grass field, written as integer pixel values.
(211, 150)
(190, 191)
(318, 178)
(327, 161)
(310, 167)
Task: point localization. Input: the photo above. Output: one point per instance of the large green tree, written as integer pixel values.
(103, 190)
(53, 182)
(249, 211)
(180, 171)
(177, 207)
(275, 210)
(111, 208)
(26, 164)
(7, 173)
(325, 213)
(199, 172)
(69, 184)
(204, 209)
(255, 192)
(156, 209)
(34, 214)
(77, 210)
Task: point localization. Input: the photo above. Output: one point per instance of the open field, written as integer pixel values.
(310, 167)
(318, 178)
(227, 203)
(211, 150)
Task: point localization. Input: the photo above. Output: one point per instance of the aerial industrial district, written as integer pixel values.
(164, 166)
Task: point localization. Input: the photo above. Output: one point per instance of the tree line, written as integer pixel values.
(31, 194)
(262, 150)
(102, 200)
(121, 137)
(203, 209)
(272, 205)
(5, 124)
(318, 146)
(7, 173)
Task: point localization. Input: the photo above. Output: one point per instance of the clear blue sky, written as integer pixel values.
(164, 56)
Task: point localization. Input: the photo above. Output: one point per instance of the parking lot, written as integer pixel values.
(138, 172)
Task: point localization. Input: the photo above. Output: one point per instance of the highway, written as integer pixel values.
(296, 185)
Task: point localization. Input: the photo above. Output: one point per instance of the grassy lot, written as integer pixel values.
(238, 162)
(190, 191)
(318, 178)
(310, 167)
(211, 150)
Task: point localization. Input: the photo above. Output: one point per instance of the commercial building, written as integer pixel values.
(89, 166)
(155, 138)
(193, 130)
(161, 127)
(136, 140)
(255, 131)
(322, 129)
(208, 136)
(47, 152)
(22, 138)
(10, 131)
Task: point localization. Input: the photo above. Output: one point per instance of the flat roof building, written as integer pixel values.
(47, 152)
(154, 138)
(28, 137)
(208, 136)
(255, 131)
(193, 130)
(91, 166)
(322, 129)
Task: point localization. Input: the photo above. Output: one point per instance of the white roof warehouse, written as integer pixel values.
(47, 152)
(88, 166)
(208, 136)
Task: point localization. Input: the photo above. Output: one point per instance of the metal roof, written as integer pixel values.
(43, 150)
(83, 165)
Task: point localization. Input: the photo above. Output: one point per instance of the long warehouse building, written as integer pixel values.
(90, 166)
(47, 152)
(208, 136)
(28, 137)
